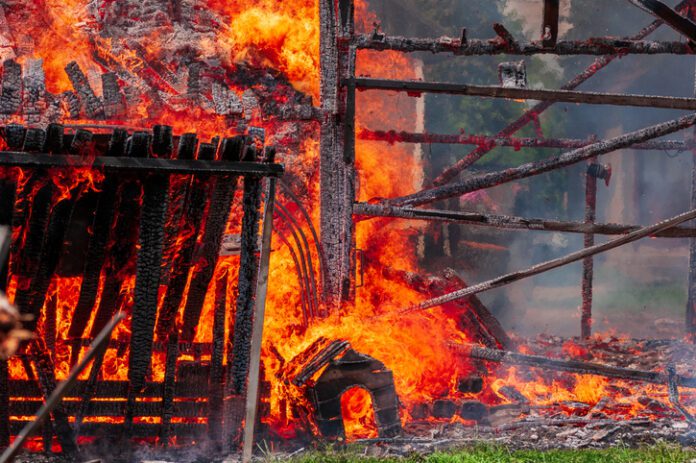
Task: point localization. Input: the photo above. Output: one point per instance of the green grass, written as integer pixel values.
(497, 454)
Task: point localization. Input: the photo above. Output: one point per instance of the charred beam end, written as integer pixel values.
(93, 107)
(415, 88)
(571, 366)
(549, 28)
(151, 165)
(549, 265)
(365, 211)
(535, 168)
(11, 99)
(114, 100)
(677, 22)
(476, 47)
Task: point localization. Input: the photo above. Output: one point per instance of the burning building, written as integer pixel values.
(233, 180)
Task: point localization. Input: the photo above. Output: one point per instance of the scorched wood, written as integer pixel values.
(551, 264)
(148, 269)
(534, 113)
(476, 47)
(216, 221)
(535, 168)
(567, 96)
(248, 273)
(92, 105)
(11, 99)
(571, 366)
(364, 211)
(96, 249)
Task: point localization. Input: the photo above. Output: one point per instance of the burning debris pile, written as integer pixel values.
(139, 146)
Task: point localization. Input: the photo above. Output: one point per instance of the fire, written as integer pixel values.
(282, 36)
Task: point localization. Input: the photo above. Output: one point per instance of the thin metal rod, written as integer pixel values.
(365, 211)
(550, 264)
(491, 142)
(100, 343)
(415, 88)
(257, 333)
(535, 168)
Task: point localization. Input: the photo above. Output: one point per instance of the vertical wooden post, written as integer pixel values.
(337, 149)
(257, 329)
(588, 262)
(549, 28)
(691, 302)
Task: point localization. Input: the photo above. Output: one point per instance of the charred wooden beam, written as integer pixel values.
(319, 361)
(532, 115)
(551, 264)
(219, 210)
(72, 102)
(148, 269)
(37, 196)
(366, 210)
(47, 380)
(478, 47)
(570, 366)
(34, 89)
(588, 262)
(125, 164)
(490, 142)
(475, 318)
(248, 274)
(535, 168)
(679, 23)
(194, 208)
(96, 249)
(92, 105)
(563, 96)
(56, 230)
(216, 382)
(114, 100)
(11, 98)
(258, 298)
(121, 250)
(549, 27)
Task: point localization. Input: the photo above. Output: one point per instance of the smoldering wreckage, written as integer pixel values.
(184, 250)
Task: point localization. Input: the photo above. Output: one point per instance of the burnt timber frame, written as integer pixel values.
(339, 47)
(139, 157)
